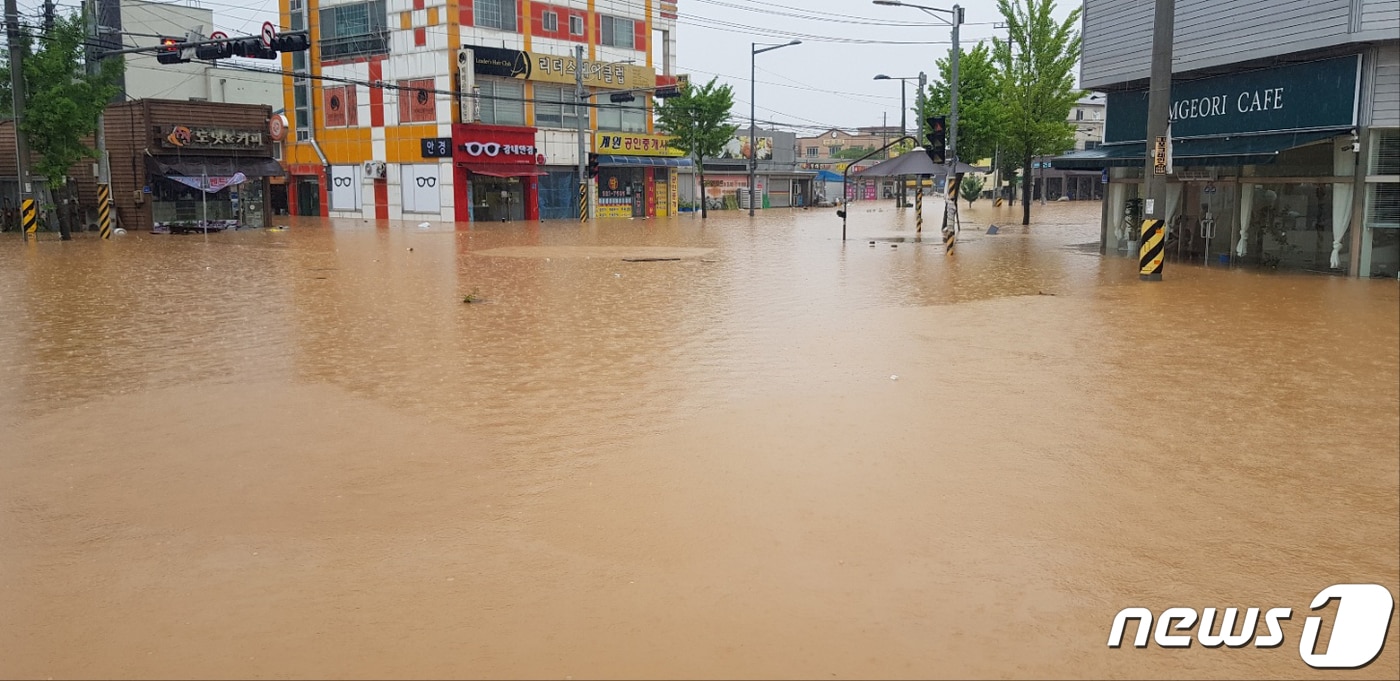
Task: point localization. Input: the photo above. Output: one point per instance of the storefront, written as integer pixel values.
(638, 175)
(496, 173)
(1265, 169)
(184, 166)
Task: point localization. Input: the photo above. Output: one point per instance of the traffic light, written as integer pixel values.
(620, 97)
(667, 91)
(169, 50)
(592, 165)
(251, 48)
(937, 137)
(292, 42)
(214, 51)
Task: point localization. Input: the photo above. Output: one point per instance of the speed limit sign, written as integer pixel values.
(268, 33)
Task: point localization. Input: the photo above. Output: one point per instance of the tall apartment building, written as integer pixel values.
(465, 109)
(1285, 130)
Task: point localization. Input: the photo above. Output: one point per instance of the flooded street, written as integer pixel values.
(678, 448)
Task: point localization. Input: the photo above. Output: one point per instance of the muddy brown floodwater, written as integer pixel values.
(675, 448)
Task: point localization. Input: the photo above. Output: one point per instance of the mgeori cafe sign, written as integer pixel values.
(1306, 96)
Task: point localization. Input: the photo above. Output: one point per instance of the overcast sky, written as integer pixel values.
(827, 81)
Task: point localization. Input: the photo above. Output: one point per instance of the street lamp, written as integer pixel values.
(753, 149)
(903, 112)
(955, 21)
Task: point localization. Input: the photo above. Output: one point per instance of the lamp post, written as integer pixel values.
(903, 114)
(753, 150)
(955, 21)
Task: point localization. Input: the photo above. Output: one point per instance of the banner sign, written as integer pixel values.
(549, 68)
(211, 185)
(738, 147)
(1311, 95)
(634, 144)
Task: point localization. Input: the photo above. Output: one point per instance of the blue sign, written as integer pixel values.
(146, 189)
(1306, 96)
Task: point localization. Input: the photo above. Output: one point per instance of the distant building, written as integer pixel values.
(781, 181)
(139, 23)
(834, 144)
(1087, 116)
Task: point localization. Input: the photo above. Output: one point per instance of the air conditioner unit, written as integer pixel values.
(375, 170)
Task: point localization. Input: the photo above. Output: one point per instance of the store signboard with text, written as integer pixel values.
(550, 68)
(634, 144)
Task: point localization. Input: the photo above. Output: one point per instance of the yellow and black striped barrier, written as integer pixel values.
(950, 237)
(104, 210)
(919, 210)
(583, 202)
(1150, 262)
(28, 217)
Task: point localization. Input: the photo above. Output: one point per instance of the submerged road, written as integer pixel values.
(677, 448)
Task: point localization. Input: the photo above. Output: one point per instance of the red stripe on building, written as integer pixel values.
(376, 95)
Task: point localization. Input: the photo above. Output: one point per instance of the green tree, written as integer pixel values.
(696, 121)
(850, 153)
(62, 100)
(1036, 72)
(979, 102)
(971, 189)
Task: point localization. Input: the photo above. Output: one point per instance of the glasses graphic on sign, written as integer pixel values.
(427, 181)
(340, 181)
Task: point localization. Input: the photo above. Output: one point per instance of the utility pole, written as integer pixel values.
(953, 90)
(104, 168)
(582, 97)
(28, 217)
(1158, 116)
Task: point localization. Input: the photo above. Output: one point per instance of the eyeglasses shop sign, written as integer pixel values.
(1319, 94)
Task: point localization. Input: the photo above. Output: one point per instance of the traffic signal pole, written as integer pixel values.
(581, 95)
(28, 216)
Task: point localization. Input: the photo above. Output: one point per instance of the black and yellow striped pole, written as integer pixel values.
(950, 226)
(583, 202)
(28, 217)
(104, 210)
(1150, 256)
(919, 206)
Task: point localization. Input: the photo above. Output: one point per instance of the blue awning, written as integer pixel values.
(617, 160)
(1231, 150)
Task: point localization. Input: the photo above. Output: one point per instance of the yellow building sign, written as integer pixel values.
(633, 144)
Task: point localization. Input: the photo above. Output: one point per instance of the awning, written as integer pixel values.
(503, 170)
(214, 166)
(617, 160)
(1234, 150)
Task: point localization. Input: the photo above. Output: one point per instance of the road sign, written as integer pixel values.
(1159, 156)
(219, 35)
(269, 32)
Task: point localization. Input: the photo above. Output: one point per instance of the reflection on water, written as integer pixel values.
(674, 447)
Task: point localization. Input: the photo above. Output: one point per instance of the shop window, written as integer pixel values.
(626, 117)
(341, 109)
(497, 14)
(555, 107)
(550, 21)
(417, 101)
(1383, 180)
(576, 26)
(618, 32)
(419, 183)
(502, 101)
(354, 30)
(345, 188)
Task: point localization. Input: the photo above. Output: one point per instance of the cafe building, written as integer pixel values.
(180, 166)
(1287, 159)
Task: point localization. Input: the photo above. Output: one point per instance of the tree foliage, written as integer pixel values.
(1035, 70)
(971, 189)
(696, 121)
(63, 100)
(979, 106)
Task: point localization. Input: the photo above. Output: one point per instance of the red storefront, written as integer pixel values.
(495, 172)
